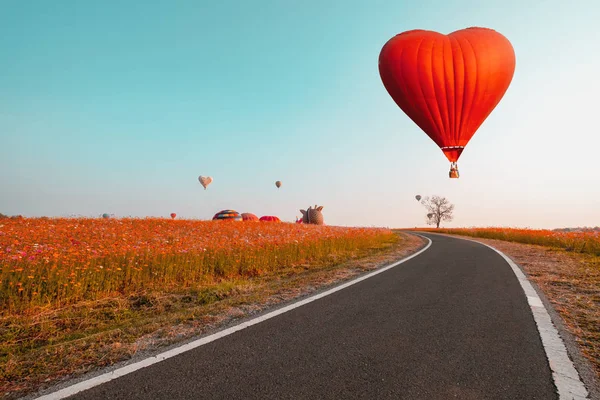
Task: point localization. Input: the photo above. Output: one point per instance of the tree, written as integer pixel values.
(438, 209)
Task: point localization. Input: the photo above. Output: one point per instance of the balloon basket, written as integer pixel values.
(454, 171)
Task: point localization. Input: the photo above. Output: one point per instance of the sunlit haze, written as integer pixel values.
(118, 107)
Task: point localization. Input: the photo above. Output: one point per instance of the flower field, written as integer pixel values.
(582, 241)
(55, 262)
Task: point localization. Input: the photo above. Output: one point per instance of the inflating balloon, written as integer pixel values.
(230, 215)
(249, 217)
(269, 218)
(313, 215)
(418, 197)
(448, 84)
(173, 215)
(205, 181)
(278, 184)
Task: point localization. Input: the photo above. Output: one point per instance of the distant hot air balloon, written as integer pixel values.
(105, 215)
(278, 184)
(418, 197)
(231, 215)
(430, 215)
(205, 181)
(173, 215)
(269, 218)
(448, 84)
(249, 217)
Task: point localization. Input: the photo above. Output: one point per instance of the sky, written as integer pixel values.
(118, 106)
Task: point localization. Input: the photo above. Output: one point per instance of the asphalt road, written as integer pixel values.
(450, 323)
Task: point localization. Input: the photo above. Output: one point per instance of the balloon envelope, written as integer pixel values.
(173, 215)
(269, 218)
(105, 215)
(278, 184)
(447, 84)
(205, 181)
(249, 217)
(418, 197)
(230, 215)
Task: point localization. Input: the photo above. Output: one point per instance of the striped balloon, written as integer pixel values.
(228, 215)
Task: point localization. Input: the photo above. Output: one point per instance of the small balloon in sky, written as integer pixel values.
(418, 197)
(278, 184)
(173, 215)
(205, 181)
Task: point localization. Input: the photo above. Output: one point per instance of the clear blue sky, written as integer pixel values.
(118, 106)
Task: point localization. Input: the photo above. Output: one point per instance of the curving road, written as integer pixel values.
(452, 322)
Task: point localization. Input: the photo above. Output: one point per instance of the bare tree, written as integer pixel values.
(438, 209)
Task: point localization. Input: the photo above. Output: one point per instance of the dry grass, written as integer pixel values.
(41, 346)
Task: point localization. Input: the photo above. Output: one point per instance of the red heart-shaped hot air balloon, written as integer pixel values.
(448, 84)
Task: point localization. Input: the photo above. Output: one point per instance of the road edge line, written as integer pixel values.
(127, 369)
(566, 378)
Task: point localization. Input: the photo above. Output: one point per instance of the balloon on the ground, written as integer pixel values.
(205, 181)
(105, 215)
(249, 217)
(418, 197)
(448, 84)
(173, 215)
(278, 184)
(269, 218)
(226, 215)
(313, 215)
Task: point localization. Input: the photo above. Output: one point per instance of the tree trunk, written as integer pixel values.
(438, 225)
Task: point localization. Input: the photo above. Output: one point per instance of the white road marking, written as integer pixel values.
(109, 376)
(535, 301)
